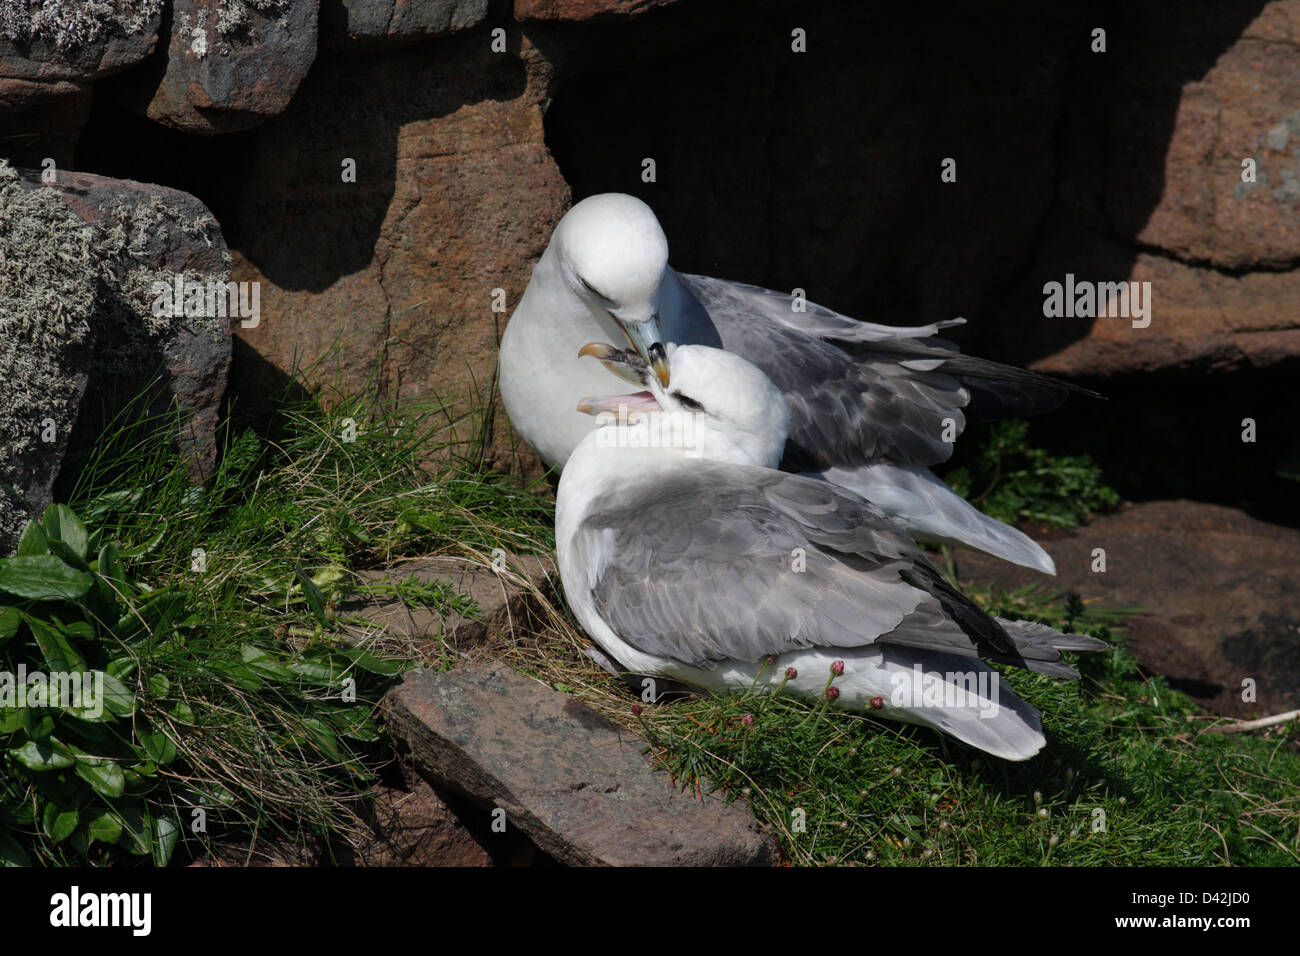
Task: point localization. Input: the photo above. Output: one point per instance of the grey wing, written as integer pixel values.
(701, 567)
(847, 408)
(817, 320)
(861, 393)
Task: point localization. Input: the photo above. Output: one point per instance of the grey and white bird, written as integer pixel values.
(871, 406)
(685, 553)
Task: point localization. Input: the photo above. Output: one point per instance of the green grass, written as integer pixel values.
(246, 671)
(255, 649)
(1129, 775)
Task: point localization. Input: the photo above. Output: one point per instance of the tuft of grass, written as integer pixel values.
(252, 673)
(1128, 777)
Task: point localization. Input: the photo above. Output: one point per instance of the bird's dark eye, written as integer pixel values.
(688, 402)
(594, 291)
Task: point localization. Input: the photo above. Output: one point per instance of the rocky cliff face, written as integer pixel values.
(813, 163)
(387, 172)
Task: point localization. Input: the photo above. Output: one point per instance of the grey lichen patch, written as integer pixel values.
(70, 24)
(235, 15)
(47, 299)
(77, 307)
(1278, 136)
(130, 240)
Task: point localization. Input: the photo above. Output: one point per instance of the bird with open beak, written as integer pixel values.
(702, 563)
(871, 406)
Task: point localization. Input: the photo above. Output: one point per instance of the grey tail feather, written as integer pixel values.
(1015, 733)
(1004, 391)
(1033, 639)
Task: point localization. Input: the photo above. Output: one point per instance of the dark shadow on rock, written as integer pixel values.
(821, 170)
(278, 191)
(259, 394)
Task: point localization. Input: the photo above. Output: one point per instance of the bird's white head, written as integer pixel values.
(612, 254)
(727, 408)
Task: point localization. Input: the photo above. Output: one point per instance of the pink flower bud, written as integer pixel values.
(837, 668)
(877, 703)
(747, 720)
(791, 673)
(832, 693)
(636, 710)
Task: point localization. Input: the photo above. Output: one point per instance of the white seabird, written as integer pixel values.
(871, 406)
(683, 552)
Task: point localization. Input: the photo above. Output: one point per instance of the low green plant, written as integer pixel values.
(1013, 481)
(107, 760)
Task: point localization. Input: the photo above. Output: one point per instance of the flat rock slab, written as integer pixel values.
(501, 597)
(1220, 592)
(376, 22)
(579, 787)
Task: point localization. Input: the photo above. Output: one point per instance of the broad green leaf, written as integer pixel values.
(105, 828)
(34, 540)
(43, 577)
(59, 822)
(109, 565)
(137, 829)
(149, 546)
(122, 667)
(313, 671)
(104, 776)
(39, 725)
(263, 663)
(11, 853)
(159, 747)
(65, 553)
(62, 524)
(368, 662)
(112, 501)
(354, 721)
(324, 737)
(315, 600)
(44, 755)
(159, 685)
(11, 719)
(58, 653)
(79, 630)
(167, 831)
(183, 712)
(118, 698)
(9, 621)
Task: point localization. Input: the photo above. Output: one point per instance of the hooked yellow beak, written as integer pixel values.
(646, 336)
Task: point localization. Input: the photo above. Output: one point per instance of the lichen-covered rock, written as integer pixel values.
(229, 66)
(78, 40)
(79, 332)
(47, 302)
(375, 22)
